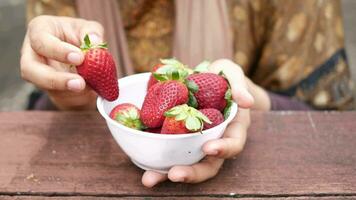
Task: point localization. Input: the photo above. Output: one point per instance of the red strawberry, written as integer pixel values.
(161, 97)
(209, 90)
(99, 70)
(128, 115)
(172, 126)
(153, 130)
(152, 79)
(183, 119)
(168, 69)
(214, 116)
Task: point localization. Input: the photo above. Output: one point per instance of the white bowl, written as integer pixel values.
(150, 151)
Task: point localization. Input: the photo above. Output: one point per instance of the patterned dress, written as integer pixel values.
(293, 48)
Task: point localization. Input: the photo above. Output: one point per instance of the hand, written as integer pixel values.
(49, 48)
(217, 150)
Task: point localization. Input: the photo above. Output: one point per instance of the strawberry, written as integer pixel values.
(168, 69)
(161, 97)
(183, 119)
(153, 130)
(213, 115)
(209, 90)
(99, 70)
(152, 79)
(173, 126)
(128, 115)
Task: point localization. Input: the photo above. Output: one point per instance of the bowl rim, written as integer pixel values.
(100, 106)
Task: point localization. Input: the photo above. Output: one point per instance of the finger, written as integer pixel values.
(94, 29)
(236, 78)
(46, 44)
(151, 178)
(196, 173)
(48, 78)
(234, 138)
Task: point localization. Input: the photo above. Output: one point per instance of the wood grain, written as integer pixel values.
(287, 153)
(169, 198)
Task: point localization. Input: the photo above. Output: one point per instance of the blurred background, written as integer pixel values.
(14, 91)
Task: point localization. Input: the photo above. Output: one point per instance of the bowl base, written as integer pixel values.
(144, 167)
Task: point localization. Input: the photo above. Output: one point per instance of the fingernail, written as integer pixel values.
(75, 85)
(74, 57)
(94, 38)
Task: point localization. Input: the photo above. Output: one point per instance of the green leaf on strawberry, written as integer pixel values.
(172, 69)
(192, 101)
(228, 98)
(202, 67)
(160, 77)
(191, 85)
(193, 123)
(193, 119)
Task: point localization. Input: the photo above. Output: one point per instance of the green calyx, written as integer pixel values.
(130, 118)
(193, 88)
(228, 98)
(202, 67)
(193, 119)
(86, 45)
(172, 69)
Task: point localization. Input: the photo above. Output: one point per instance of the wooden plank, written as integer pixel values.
(169, 198)
(288, 153)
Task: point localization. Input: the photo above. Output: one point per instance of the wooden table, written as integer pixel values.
(67, 155)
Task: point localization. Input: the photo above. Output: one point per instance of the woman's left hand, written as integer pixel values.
(217, 150)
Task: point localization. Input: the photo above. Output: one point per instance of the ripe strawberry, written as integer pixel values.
(128, 115)
(183, 119)
(209, 90)
(153, 130)
(161, 97)
(172, 126)
(99, 70)
(214, 116)
(152, 79)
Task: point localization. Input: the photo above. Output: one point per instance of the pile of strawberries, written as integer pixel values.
(178, 100)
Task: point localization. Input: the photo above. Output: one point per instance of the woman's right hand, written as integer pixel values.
(49, 49)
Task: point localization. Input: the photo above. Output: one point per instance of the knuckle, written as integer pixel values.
(35, 21)
(52, 84)
(36, 43)
(97, 25)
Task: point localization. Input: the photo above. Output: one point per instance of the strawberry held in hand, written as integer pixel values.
(98, 70)
(161, 97)
(183, 119)
(128, 115)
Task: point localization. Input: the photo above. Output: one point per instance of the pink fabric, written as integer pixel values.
(202, 30)
(107, 13)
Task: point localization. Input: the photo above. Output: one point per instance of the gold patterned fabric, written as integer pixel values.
(295, 48)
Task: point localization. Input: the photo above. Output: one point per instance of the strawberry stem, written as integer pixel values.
(86, 45)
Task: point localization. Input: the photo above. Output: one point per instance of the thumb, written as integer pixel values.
(93, 29)
(236, 78)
